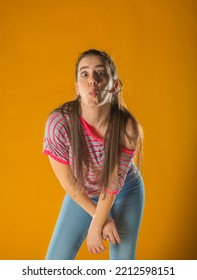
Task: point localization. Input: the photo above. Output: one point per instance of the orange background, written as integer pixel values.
(154, 46)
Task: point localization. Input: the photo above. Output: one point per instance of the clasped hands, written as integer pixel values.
(95, 236)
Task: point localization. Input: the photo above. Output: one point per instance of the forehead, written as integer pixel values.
(92, 61)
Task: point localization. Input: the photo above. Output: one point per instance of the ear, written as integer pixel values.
(115, 85)
(77, 88)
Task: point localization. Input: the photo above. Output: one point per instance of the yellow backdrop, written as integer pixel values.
(153, 43)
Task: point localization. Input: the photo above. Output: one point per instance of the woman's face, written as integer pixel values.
(94, 81)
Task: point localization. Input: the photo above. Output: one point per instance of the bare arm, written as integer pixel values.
(70, 185)
(99, 212)
(102, 225)
(102, 211)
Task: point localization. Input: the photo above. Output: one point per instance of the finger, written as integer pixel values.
(116, 236)
(112, 239)
(106, 236)
(109, 237)
(90, 250)
(103, 236)
(98, 250)
(102, 247)
(93, 250)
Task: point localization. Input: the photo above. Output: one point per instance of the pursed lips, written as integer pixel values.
(93, 92)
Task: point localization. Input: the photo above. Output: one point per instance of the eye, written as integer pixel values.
(84, 74)
(101, 73)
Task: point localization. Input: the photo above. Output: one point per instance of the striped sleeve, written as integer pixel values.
(56, 143)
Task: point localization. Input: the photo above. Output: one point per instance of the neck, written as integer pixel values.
(96, 116)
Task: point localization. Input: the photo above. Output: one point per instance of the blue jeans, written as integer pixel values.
(73, 222)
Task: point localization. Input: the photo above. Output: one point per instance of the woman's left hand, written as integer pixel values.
(95, 242)
(110, 232)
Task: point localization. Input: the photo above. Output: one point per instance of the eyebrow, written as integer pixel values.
(97, 66)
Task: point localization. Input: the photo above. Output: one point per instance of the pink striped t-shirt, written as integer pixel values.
(57, 145)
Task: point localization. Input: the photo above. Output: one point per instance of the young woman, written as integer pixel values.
(92, 143)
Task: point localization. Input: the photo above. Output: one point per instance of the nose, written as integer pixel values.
(92, 80)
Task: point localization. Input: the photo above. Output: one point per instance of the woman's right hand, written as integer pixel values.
(109, 231)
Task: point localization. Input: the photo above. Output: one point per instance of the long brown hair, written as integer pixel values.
(115, 134)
